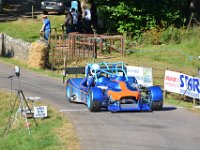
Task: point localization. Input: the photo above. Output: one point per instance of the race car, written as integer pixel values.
(107, 86)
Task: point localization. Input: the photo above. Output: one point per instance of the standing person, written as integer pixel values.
(46, 27)
(87, 19)
(75, 19)
(68, 22)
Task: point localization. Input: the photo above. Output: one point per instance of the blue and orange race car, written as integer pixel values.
(107, 86)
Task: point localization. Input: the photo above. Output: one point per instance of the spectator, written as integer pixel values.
(46, 27)
(75, 19)
(68, 22)
(87, 19)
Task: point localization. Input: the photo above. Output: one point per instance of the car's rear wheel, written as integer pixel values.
(157, 105)
(68, 92)
(155, 96)
(93, 105)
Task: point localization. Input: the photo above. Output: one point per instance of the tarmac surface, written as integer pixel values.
(170, 129)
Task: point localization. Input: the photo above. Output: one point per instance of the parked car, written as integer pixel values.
(58, 6)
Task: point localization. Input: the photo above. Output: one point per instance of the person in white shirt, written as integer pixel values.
(87, 19)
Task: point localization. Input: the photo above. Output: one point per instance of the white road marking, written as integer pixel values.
(198, 107)
(179, 107)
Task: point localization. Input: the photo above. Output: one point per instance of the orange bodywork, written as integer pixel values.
(125, 92)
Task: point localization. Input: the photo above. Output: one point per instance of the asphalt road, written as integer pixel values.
(170, 129)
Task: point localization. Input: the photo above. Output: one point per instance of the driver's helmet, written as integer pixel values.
(95, 68)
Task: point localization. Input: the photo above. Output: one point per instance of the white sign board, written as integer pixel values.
(142, 74)
(40, 112)
(182, 84)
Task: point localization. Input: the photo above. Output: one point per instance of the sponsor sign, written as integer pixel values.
(143, 75)
(40, 112)
(182, 84)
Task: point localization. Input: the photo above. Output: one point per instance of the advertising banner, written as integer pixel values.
(142, 74)
(182, 84)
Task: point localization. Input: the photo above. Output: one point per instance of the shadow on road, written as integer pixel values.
(168, 108)
(14, 9)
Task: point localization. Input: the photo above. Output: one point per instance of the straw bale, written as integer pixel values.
(37, 55)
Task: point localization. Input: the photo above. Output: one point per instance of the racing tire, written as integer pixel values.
(68, 92)
(156, 98)
(93, 105)
(157, 105)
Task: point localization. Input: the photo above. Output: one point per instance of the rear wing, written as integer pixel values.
(73, 70)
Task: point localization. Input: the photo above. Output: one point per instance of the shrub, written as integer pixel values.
(151, 37)
(171, 35)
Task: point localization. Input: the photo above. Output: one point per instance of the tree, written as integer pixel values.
(139, 15)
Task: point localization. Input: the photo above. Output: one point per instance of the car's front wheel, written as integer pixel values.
(93, 105)
(157, 105)
(156, 97)
(68, 91)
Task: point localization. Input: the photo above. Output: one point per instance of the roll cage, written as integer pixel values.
(112, 70)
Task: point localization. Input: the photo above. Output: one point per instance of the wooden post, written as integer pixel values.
(184, 97)
(101, 45)
(73, 45)
(64, 62)
(194, 102)
(53, 58)
(110, 42)
(76, 65)
(59, 42)
(123, 46)
(3, 53)
(94, 47)
(165, 95)
(191, 17)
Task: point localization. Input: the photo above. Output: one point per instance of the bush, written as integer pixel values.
(158, 36)
(171, 35)
(151, 37)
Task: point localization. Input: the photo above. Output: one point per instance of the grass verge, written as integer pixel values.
(178, 101)
(55, 132)
(28, 29)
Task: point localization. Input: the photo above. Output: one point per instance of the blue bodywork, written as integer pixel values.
(110, 88)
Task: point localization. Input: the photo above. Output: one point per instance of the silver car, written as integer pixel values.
(58, 6)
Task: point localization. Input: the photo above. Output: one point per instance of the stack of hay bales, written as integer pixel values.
(37, 55)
